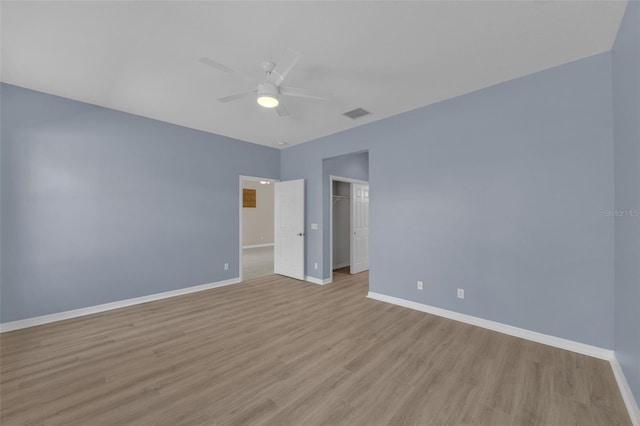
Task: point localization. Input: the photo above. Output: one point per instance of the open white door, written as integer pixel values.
(359, 228)
(289, 229)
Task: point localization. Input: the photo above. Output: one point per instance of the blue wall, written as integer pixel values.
(501, 192)
(626, 110)
(99, 205)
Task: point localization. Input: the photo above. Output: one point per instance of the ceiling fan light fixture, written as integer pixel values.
(268, 101)
(268, 95)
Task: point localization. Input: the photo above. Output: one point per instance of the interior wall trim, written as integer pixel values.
(534, 336)
(60, 316)
(318, 281)
(258, 245)
(625, 390)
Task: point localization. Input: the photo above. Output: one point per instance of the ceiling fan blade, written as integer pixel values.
(221, 67)
(305, 93)
(237, 96)
(283, 67)
(282, 110)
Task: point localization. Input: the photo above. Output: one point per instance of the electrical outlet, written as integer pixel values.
(226, 266)
(314, 226)
(315, 265)
(461, 293)
(419, 285)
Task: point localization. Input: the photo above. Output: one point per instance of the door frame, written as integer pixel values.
(333, 178)
(241, 225)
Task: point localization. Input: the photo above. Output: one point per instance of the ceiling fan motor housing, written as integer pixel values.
(268, 95)
(268, 66)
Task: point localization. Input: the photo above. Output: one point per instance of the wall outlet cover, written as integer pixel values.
(420, 285)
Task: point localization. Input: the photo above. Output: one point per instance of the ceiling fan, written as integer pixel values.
(268, 92)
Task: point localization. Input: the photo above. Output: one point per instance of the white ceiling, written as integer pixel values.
(386, 57)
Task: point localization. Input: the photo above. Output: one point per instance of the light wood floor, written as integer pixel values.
(257, 262)
(277, 351)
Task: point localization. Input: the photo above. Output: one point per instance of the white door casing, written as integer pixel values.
(289, 229)
(359, 228)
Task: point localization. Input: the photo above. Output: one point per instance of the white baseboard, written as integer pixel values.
(534, 336)
(317, 280)
(59, 316)
(341, 265)
(625, 390)
(258, 245)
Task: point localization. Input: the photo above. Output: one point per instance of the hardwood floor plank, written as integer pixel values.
(310, 399)
(278, 351)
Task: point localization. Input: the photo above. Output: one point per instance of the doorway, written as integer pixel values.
(349, 226)
(256, 227)
(341, 205)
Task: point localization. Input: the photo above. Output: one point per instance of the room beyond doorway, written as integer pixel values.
(257, 262)
(256, 227)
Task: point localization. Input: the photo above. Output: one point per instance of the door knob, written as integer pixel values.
(300, 234)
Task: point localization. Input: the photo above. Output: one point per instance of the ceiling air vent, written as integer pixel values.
(356, 113)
